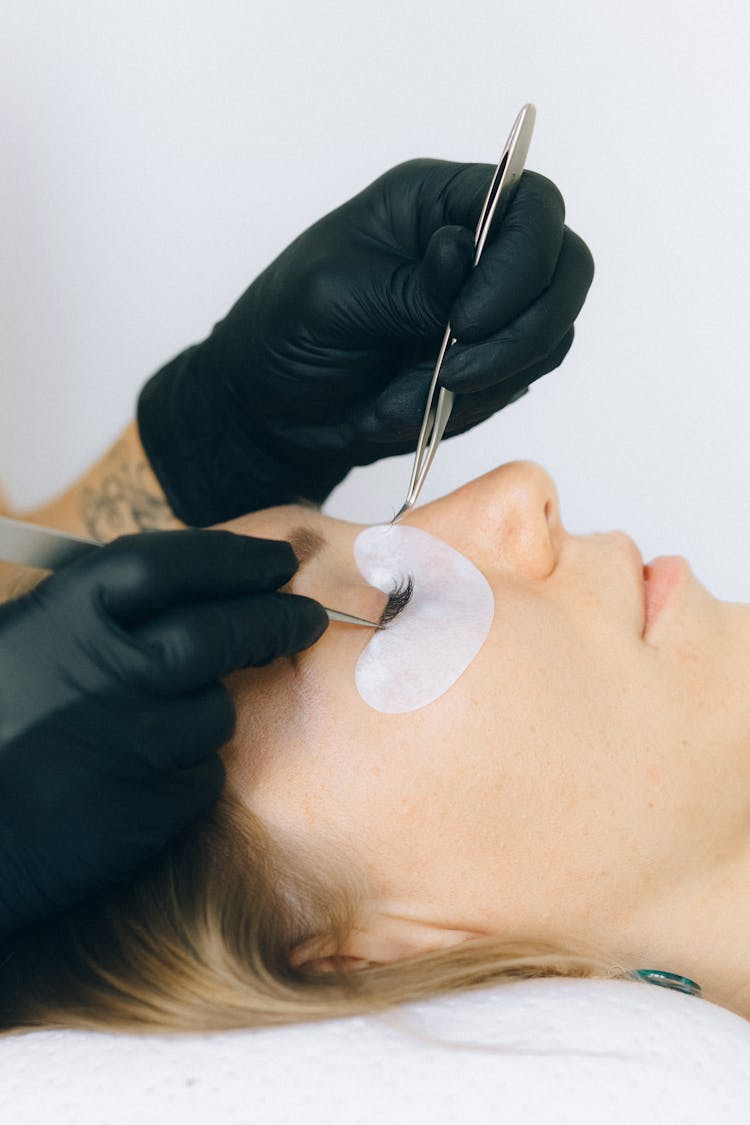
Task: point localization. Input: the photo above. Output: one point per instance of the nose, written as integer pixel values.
(508, 519)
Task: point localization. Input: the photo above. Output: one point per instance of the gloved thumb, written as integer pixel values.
(433, 284)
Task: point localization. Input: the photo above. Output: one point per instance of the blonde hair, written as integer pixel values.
(199, 940)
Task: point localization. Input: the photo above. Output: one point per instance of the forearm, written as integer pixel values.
(118, 495)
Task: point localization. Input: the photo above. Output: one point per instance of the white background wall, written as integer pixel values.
(156, 154)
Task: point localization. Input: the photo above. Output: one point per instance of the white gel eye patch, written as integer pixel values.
(424, 650)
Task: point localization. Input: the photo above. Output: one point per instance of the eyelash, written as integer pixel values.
(398, 599)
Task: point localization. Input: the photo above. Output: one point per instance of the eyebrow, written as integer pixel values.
(306, 543)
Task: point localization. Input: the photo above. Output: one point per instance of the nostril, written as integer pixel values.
(547, 511)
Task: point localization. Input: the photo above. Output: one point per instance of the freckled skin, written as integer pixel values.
(580, 781)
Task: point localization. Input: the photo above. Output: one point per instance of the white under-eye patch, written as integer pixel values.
(437, 635)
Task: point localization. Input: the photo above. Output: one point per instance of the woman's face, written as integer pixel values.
(585, 777)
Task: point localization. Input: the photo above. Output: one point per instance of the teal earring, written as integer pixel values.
(668, 980)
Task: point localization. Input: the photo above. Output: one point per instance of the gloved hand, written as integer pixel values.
(110, 709)
(325, 361)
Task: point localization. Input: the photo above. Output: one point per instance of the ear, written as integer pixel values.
(382, 940)
(328, 964)
(318, 955)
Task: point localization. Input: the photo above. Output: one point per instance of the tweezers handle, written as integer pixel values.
(29, 544)
(45, 547)
(501, 190)
(434, 422)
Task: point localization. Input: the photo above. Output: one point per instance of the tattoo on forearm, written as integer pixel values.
(124, 501)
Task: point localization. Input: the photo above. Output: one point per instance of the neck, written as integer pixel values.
(702, 930)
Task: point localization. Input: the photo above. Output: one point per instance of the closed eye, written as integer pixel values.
(398, 599)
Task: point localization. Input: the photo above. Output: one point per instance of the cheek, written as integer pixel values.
(570, 736)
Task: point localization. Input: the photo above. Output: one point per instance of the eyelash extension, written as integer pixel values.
(398, 600)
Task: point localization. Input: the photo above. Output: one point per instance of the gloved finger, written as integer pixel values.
(398, 410)
(395, 427)
(190, 792)
(322, 437)
(402, 401)
(142, 575)
(532, 336)
(470, 410)
(196, 644)
(166, 808)
(173, 732)
(517, 264)
(421, 294)
(469, 368)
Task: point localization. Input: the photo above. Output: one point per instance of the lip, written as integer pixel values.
(661, 576)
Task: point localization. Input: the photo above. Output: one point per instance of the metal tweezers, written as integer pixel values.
(501, 191)
(47, 548)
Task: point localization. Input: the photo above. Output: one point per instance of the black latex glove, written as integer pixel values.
(324, 363)
(110, 706)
